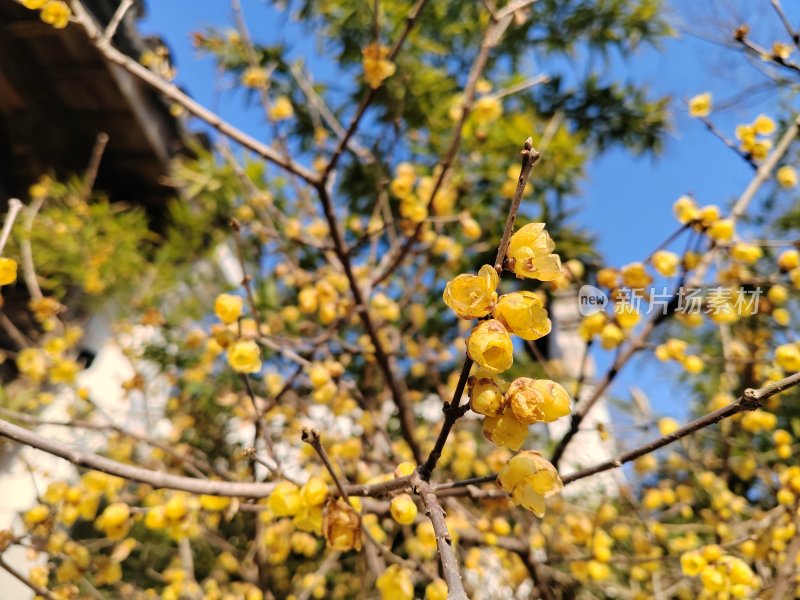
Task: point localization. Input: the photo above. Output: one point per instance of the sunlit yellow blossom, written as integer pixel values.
(314, 492)
(786, 176)
(788, 357)
(395, 583)
(281, 109)
(115, 521)
(285, 500)
(635, 276)
(763, 125)
(33, 4)
(341, 526)
(721, 231)
(700, 105)
(686, 210)
(472, 296)
(692, 563)
(523, 314)
(667, 425)
(530, 478)
(245, 357)
(487, 109)
(530, 254)
(56, 13)
(789, 259)
(666, 262)
(228, 307)
(781, 50)
(505, 430)
(377, 66)
(611, 336)
(746, 253)
(254, 77)
(403, 509)
(8, 270)
(490, 346)
(436, 590)
(537, 400)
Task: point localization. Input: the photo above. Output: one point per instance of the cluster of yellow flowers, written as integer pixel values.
(52, 12)
(674, 349)
(414, 193)
(753, 138)
(377, 66)
(719, 573)
(244, 355)
(508, 409)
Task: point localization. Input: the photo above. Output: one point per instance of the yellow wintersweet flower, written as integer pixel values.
(436, 590)
(789, 259)
(778, 295)
(627, 315)
(505, 430)
(281, 109)
(284, 501)
(31, 362)
(746, 253)
(635, 276)
(686, 210)
(214, 503)
(341, 526)
(314, 492)
(537, 400)
(472, 296)
(33, 4)
(245, 357)
(530, 478)
(63, 371)
(523, 314)
(487, 110)
(115, 521)
(377, 66)
(781, 50)
(667, 425)
(489, 345)
(8, 270)
(228, 308)
(254, 77)
(485, 394)
(403, 509)
(763, 125)
(700, 105)
(530, 254)
(666, 262)
(692, 563)
(786, 176)
(721, 231)
(592, 325)
(788, 357)
(611, 336)
(56, 13)
(395, 584)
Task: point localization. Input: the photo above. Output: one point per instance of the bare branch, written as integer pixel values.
(158, 479)
(172, 92)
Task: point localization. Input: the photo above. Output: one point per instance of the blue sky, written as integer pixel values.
(626, 200)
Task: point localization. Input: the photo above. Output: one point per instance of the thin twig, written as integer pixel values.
(14, 206)
(115, 21)
(157, 479)
(174, 93)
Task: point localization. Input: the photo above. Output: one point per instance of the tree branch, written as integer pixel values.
(157, 479)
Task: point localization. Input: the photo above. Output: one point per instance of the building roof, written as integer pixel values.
(57, 93)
